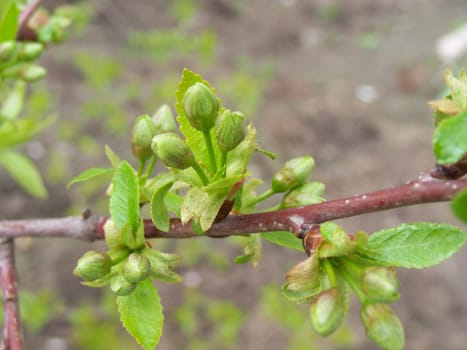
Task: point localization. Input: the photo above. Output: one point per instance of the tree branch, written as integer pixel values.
(12, 333)
(24, 32)
(424, 189)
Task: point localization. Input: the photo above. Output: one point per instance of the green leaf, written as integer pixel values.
(459, 205)
(24, 172)
(89, 174)
(124, 201)
(416, 245)
(13, 104)
(9, 22)
(112, 156)
(284, 239)
(251, 251)
(159, 213)
(23, 130)
(302, 282)
(141, 314)
(239, 157)
(450, 139)
(457, 87)
(194, 138)
(202, 205)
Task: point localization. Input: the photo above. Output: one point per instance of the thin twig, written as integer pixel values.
(29, 10)
(424, 189)
(12, 332)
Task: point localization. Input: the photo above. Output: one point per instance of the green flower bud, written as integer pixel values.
(383, 326)
(162, 265)
(121, 286)
(230, 130)
(172, 150)
(306, 194)
(7, 51)
(164, 120)
(141, 137)
(30, 51)
(292, 174)
(302, 282)
(327, 312)
(200, 106)
(137, 268)
(380, 284)
(336, 241)
(112, 234)
(92, 266)
(27, 72)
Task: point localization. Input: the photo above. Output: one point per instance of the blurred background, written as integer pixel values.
(345, 81)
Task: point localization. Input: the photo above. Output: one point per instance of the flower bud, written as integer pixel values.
(230, 130)
(380, 284)
(112, 234)
(7, 51)
(172, 150)
(302, 282)
(162, 265)
(30, 51)
(136, 268)
(92, 266)
(163, 120)
(383, 326)
(336, 241)
(327, 312)
(200, 106)
(141, 137)
(292, 174)
(27, 72)
(121, 286)
(306, 194)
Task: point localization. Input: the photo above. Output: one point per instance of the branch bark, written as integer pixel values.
(12, 332)
(424, 189)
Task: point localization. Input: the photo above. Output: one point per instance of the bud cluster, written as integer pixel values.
(334, 264)
(123, 268)
(15, 60)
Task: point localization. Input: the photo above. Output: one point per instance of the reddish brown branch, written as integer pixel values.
(424, 189)
(24, 32)
(12, 333)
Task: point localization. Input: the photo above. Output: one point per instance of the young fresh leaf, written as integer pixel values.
(9, 22)
(457, 87)
(239, 157)
(141, 314)
(283, 239)
(416, 245)
(194, 138)
(24, 129)
(459, 205)
(450, 139)
(251, 251)
(24, 172)
(159, 213)
(89, 174)
(202, 205)
(112, 156)
(13, 104)
(124, 201)
(302, 282)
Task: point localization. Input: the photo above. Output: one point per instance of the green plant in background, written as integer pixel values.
(200, 314)
(18, 67)
(206, 177)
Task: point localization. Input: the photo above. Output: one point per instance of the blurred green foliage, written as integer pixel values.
(296, 322)
(208, 323)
